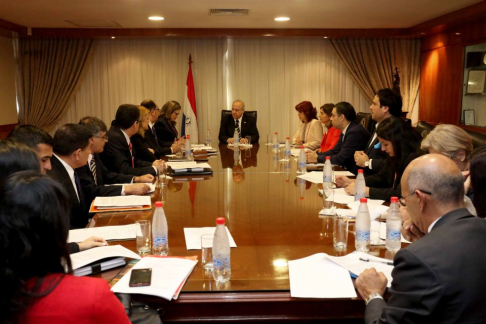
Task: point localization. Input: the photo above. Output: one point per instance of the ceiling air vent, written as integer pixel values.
(94, 23)
(229, 12)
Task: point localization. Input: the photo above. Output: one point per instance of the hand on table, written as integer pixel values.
(360, 158)
(137, 189)
(370, 281)
(350, 188)
(342, 181)
(231, 141)
(146, 178)
(298, 142)
(311, 157)
(92, 242)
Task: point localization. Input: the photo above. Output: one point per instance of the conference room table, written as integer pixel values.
(273, 217)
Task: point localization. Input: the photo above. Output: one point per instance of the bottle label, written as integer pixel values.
(393, 235)
(327, 178)
(222, 263)
(362, 236)
(160, 241)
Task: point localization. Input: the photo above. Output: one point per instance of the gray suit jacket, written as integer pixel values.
(439, 278)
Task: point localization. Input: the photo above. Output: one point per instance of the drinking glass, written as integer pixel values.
(143, 236)
(207, 251)
(340, 233)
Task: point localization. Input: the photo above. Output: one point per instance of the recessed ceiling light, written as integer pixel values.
(422, 33)
(156, 18)
(282, 19)
(325, 37)
(458, 34)
(113, 37)
(269, 35)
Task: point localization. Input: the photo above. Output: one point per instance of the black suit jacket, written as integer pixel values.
(342, 153)
(79, 216)
(376, 154)
(141, 148)
(117, 158)
(154, 145)
(439, 278)
(166, 134)
(248, 128)
(103, 176)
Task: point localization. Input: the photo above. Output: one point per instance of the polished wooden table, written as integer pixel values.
(273, 217)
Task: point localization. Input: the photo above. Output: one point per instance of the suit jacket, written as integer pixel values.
(248, 128)
(154, 145)
(141, 148)
(78, 216)
(439, 278)
(103, 176)
(313, 134)
(166, 134)
(342, 154)
(117, 158)
(386, 183)
(376, 154)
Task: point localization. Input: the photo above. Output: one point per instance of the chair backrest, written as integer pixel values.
(478, 139)
(366, 121)
(252, 113)
(424, 128)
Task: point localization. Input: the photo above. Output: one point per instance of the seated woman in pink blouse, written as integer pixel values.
(310, 131)
(331, 137)
(35, 267)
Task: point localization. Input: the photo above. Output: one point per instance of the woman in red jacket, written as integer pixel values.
(35, 267)
(331, 137)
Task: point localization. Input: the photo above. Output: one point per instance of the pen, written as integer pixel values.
(377, 261)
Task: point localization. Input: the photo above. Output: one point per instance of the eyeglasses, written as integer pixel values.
(403, 200)
(102, 137)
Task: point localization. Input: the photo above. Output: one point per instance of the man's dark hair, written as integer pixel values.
(70, 138)
(126, 116)
(346, 109)
(14, 157)
(94, 124)
(31, 136)
(149, 104)
(391, 99)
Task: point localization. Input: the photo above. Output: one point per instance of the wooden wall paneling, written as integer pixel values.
(5, 130)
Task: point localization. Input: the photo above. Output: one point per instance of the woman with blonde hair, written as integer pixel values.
(141, 149)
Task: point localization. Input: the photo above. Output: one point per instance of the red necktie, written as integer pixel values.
(131, 153)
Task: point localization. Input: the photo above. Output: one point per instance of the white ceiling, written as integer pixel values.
(194, 13)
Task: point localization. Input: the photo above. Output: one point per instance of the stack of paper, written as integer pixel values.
(203, 147)
(193, 236)
(122, 232)
(120, 203)
(168, 276)
(191, 166)
(241, 145)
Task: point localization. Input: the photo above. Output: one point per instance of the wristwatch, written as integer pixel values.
(372, 296)
(367, 163)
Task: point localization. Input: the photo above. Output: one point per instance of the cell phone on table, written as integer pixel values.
(140, 277)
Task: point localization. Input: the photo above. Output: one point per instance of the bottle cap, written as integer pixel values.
(288, 137)
(188, 136)
(276, 133)
(220, 221)
(363, 200)
(302, 147)
(159, 204)
(328, 157)
(394, 199)
(360, 170)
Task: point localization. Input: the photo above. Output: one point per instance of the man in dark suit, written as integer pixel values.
(72, 144)
(353, 138)
(440, 277)
(245, 124)
(385, 104)
(150, 134)
(118, 155)
(94, 175)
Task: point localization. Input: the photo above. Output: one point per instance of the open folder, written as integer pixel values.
(120, 203)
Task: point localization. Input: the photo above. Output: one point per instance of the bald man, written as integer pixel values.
(439, 278)
(246, 125)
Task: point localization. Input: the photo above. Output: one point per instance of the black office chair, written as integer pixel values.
(424, 128)
(252, 113)
(366, 121)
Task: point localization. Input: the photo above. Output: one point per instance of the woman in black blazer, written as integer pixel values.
(165, 125)
(141, 149)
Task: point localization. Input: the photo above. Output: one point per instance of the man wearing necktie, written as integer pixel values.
(244, 124)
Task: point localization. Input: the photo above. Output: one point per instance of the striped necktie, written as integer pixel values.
(92, 167)
(237, 124)
(131, 154)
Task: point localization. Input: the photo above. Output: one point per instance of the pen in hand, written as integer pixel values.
(376, 261)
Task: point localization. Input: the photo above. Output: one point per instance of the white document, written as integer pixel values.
(353, 264)
(122, 201)
(193, 236)
(83, 258)
(151, 185)
(241, 145)
(167, 275)
(295, 152)
(184, 166)
(374, 206)
(383, 233)
(317, 277)
(343, 173)
(341, 197)
(314, 177)
(121, 232)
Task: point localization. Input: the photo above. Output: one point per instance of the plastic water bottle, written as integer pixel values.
(302, 160)
(187, 149)
(160, 245)
(208, 138)
(287, 149)
(363, 226)
(393, 226)
(236, 138)
(275, 142)
(327, 172)
(221, 253)
(360, 186)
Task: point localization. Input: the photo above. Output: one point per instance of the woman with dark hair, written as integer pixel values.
(310, 132)
(141, 148)
(35, 268)
(402, 144)
(331, 137)
(165, 125)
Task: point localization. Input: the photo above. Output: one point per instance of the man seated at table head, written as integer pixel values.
(439, 278)
(38, 140)
(118, 155)
(94, 175)
(245, 124)
(386, 103)
(72, 146)
(353, 138)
